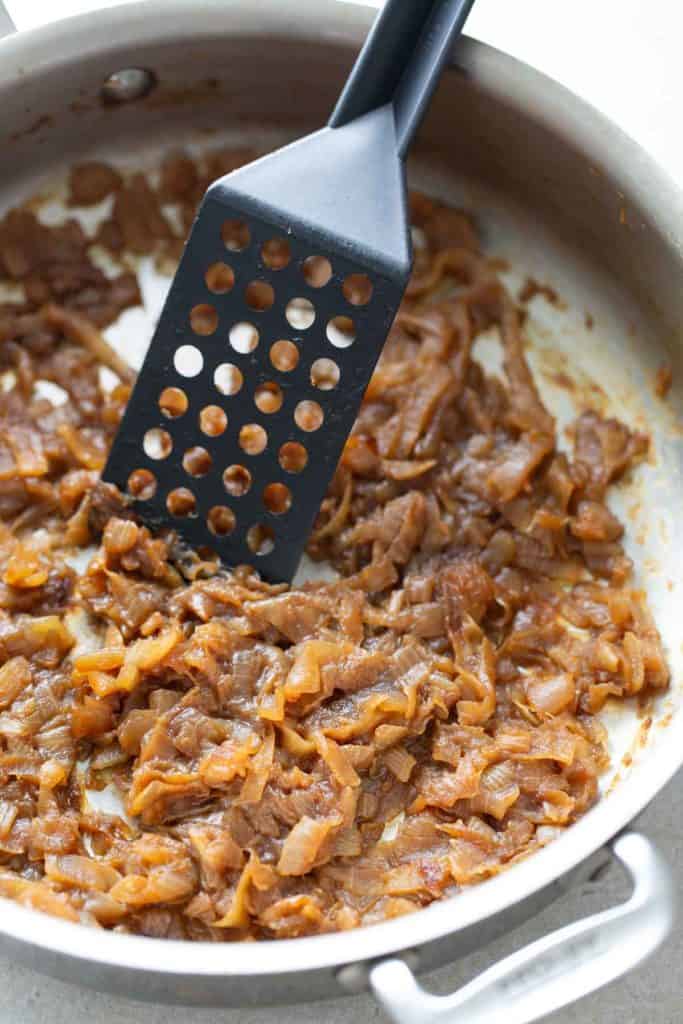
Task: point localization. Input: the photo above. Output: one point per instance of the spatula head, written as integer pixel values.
(287, 288)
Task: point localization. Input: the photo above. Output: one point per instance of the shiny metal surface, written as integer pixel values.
(565, 197)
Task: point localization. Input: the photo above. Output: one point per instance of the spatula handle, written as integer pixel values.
(401, 62)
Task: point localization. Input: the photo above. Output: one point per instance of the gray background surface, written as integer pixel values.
(574, 42)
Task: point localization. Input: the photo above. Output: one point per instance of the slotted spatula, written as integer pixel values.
(288, 285)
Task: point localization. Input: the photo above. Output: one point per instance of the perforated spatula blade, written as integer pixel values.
(289, 283)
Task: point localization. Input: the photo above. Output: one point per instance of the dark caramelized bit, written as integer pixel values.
(663, 380)
(179, 179)
(90, 183)
(295, 761)
(531, 288)
(138, 217)
(53, 263)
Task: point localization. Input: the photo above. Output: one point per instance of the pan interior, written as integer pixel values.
(592, 348)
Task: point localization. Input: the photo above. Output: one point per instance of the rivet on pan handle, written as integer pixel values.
(557, 969)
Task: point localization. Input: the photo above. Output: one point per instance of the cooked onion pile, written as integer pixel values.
(295, 761)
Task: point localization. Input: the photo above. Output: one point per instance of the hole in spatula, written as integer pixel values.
(325, 374)
(284, 355)
(260, 539)
(212, 421)
(341, 331)
(203, 319)
(157, 444)
(293, 457)
(197, 461)
(357, 289)
(259, 296)
(173, 403)
(276, 253)
(237, 480)
(236, 235)
(181, 502)
(277, 498)
(268, 397)
(219, 278)
(308, 416)
(228, 379)
(243, 337)
(317, 271)
(142, 484)
(300, 314)
(252, 439)
(221, 520)
(188, 361)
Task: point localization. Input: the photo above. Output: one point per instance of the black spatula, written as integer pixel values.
(288, 285)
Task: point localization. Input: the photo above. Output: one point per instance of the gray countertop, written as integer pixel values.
(575, 42)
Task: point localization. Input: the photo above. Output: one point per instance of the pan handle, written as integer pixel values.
(555, 970)
(7, 26)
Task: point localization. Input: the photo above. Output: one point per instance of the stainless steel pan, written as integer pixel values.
(567, 198)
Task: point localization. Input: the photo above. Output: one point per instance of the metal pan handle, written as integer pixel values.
(555, 970)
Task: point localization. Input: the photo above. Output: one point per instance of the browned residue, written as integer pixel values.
(584, 390)
(589, 321)
(663, 380)
(164, 97)
(645, 727)
(562, 380)
(531, 288)
(638, 743)
(41, 122)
